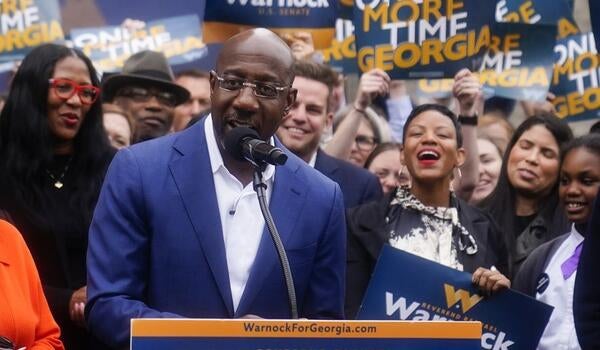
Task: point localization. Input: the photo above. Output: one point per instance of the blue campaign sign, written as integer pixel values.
(595, 17)
(178, 38)
(575, 80)
(519, 62)
(99, 13)
(225, 18)
(422, 39)
(346, 10)
(341, 56)
(407, 287)
(558, 12)
(27, 24)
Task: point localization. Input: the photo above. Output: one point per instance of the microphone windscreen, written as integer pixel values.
(234, 140)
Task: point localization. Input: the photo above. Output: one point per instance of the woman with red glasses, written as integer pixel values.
(53, 157)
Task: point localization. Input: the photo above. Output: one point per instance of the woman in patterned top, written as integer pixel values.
(426, 219)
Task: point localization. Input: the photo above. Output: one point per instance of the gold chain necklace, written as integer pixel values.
(58, 181)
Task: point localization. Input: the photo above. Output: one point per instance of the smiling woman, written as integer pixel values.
(557, 261)
(427, 220)
(54, 154)
(525, 199)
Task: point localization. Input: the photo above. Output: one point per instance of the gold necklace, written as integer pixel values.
(58, 182)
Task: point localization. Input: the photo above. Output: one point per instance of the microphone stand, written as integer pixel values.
(260, 187)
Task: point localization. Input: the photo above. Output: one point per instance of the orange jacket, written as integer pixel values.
(24, 314)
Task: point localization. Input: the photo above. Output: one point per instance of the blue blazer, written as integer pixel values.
(156, 245)
(358, 185)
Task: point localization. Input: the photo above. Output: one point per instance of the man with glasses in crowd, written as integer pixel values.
(303, 127)
(146, 89)
(178, 232)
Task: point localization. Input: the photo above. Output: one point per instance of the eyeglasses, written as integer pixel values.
(260, 89)
(365, 143)
(140, 94)
(66, 88)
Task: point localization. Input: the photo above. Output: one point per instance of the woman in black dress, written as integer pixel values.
(54, 155)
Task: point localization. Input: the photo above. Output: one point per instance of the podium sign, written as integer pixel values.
(253, 334)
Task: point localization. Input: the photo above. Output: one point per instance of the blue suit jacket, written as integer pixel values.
(358, 185)
(156, 245)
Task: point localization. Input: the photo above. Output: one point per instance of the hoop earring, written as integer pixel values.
(459, 173)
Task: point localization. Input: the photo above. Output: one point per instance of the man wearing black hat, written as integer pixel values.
(146, 89)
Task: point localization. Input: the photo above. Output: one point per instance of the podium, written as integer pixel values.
(255, 334)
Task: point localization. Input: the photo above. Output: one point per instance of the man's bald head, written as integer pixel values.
(259, 41)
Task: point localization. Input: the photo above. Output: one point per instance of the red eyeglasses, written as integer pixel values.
(65, 89)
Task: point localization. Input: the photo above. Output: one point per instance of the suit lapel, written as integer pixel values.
(323, 164)
(287, 200)
(194, 179)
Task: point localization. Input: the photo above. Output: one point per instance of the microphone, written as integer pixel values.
(244, 144)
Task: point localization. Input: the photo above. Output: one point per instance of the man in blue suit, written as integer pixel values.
(302, 129)
(177, 231)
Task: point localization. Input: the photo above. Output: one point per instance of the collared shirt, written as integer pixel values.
(241, 218)
(560, 331)
(313, 160)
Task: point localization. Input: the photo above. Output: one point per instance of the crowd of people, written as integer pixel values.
(130, 205)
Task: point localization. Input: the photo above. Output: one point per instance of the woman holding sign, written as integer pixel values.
(54, 153)
(427, 220)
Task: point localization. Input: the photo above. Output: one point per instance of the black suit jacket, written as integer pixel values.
(586, 300)
(367, 235)
(526, 280)
(358, 185)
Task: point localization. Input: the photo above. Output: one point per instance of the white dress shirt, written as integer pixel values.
(241, 218)
(313, 160)
(560, 331)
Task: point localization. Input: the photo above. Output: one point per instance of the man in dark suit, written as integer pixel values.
(303, 127)
(586, 299)
(177, 231)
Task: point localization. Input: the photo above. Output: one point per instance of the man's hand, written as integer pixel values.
(373, 83)
(301, 43)
(77, 305)
(490, 280)
(467, 90)
(538, 108)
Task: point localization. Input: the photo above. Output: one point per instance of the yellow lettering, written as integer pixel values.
(452, 6)
(33, 35)
(432, 7)
(575, 103)
(413, 51)
(566, 68)
(566, 28)
(379, 14)
(432, 48)
(365, 58)
(581, 63)
(384, 55)
(527, 11)
(511, 41)
(455, 48)
(9, 6)
(483, 40)
(538, 77)
(414, 11)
